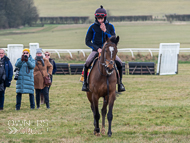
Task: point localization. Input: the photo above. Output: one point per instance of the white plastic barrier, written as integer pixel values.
(33, 47)
(14, 52)
(168, 58)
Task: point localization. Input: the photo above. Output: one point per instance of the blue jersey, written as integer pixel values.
(95, 37)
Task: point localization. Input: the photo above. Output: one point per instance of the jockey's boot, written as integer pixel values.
(85, 85)
(121, 87)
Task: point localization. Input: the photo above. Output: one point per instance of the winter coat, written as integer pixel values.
(8, 70)
(25, 82)
(38, 78)
(95, 37)
(54, 65)
(2, 75)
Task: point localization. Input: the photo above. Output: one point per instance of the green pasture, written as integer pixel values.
(114, 7)
(153, 109)
(132, 35)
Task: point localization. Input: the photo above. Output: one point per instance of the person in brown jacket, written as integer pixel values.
(42, 66)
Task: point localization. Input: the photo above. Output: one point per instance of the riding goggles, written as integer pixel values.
(100, 14)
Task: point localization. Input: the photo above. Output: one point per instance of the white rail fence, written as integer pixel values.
(124, 50)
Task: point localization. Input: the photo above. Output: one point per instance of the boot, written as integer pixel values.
(47, 105)
(121, 87)
(85, 85)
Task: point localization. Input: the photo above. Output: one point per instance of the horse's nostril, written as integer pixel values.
(110, 70)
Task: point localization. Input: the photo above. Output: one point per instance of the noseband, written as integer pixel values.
(110, 62)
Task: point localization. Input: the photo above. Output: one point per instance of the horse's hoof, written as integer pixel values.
(109, 134)
(103, 131)
(97, 134)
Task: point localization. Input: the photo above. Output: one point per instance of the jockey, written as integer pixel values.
(95, 39)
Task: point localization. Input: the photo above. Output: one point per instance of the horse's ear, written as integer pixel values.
(117, 39)
(107, 38)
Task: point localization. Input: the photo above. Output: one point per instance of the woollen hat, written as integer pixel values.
(39, 51)
(26, 49)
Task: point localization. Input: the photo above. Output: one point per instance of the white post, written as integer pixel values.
(14, 52)
(83, 52)
(70, 53)
(131, 52)
(150, 52)
(33, 47)
(58, 53)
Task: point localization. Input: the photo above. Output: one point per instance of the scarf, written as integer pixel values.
(39, 58)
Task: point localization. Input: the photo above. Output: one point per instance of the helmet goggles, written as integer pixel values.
(100, 15)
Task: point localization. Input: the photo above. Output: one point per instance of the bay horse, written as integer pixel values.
(102, 83)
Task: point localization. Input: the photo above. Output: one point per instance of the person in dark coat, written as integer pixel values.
(95, 38)
(6, 75)
(47, 56)
(2, 75)
(25, 82)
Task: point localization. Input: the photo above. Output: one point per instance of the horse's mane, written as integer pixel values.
(114, 39)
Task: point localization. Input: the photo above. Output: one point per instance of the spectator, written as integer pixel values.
(47, 56)
(42, 69)
(25, 81)
(6, 73)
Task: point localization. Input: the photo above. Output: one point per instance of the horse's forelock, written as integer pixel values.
(114, 40)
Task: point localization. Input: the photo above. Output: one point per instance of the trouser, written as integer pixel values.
(19, 98)
(51, 82)
(91, 57)
(45, 92)
(42, 96)
(2, 98)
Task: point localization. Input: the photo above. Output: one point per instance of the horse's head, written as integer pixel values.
(109, 52)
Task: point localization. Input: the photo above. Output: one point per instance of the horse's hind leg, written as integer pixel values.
(110, 115)
(96, 116)
(104, 111)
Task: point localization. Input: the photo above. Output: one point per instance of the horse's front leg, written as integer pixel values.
(104, 111)
(110, 115)
(89, 95)
(96, 116)
(92, 108)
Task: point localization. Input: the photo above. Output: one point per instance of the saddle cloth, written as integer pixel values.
(89, 70)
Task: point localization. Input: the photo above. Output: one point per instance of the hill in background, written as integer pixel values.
(114, 7)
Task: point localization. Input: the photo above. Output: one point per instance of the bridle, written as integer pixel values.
(105, 67)
(110, 62)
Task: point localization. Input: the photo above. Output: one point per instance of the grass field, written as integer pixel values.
(115, 8)
(153, 109)
(132, 35)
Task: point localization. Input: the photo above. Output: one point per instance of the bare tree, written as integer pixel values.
(15, 13)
